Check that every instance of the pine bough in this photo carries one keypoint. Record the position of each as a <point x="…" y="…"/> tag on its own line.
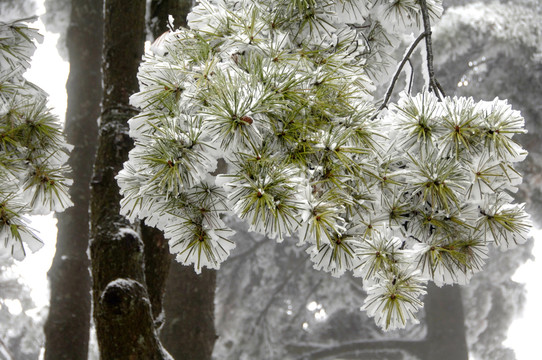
<point x="33" y="150"/>
<point x="283" y="91"/>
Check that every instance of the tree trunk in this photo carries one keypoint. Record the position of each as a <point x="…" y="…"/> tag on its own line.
<point x="69" y="311"/>
<point x="122" y="312"/>
<point x="189" y="330"/>
<point x="161" y="9"/>
<point x="445" y="324"/>
<point x="157" y="264"/>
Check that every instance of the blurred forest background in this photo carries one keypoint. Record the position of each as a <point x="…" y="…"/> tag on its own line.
<point x="271" y="304"/>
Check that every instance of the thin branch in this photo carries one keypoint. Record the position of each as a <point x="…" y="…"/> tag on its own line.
<point x="433" y="83"/>
<point x="249" y="251"/>
<point x="304" y="302"/>
<point x="278" y="289"/>
<point x="391" y="347"/>
<point x="411" y="80"/>
<point x="4" y="350"/>
<point x="399" y="69"/>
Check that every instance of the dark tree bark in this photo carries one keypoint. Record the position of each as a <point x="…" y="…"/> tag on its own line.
<point x="446" y="338"/>
<point x="69" y="311"/>
<point x="157" y="264"/>
<point x="161" y="9"/>
<point x="189" y="330"/>
<point x="122" y="312"/>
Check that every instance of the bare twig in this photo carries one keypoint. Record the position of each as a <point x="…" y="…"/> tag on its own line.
<point x="399" y="69"/>
<point x="278" y="289"/>
<point x="249" y="251"/>
<point x="411" y="80"/>
<point x="4" y="350"/>
<point x="433" y="83"/>
<point x="304" y="302"/>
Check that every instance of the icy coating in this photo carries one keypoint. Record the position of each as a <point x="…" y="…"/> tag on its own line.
<point x="33" y="150"/>
<point x="283" y="92"/>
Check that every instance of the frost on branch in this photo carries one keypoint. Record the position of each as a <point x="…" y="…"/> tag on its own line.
<point x="33" y="150"/>
<point x="283" y="92"/>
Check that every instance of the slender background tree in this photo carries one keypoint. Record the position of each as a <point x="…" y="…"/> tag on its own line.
<point x="69" y="277"/>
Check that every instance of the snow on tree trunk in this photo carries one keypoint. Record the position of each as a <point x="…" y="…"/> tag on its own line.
<point x="122" y="311"/>
<point x="69" y="311"/>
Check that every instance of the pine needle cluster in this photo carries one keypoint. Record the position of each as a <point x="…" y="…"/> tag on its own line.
<point x="33" y="150"/>
<point x="282" y="92"/>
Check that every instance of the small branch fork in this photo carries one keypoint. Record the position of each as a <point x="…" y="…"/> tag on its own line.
<point x="399" y="69"/>
<point x="433" y="83"/>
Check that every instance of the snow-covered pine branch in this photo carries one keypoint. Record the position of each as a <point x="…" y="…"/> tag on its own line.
<point x="284" y="92"/>
<point x="33" y="150"/>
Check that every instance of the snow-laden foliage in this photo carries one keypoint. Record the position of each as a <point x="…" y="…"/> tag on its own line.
<point x="283" y="93"/>
<point x="11" y="10"/>
<point x="499" y="54"/>
<point x="271" y="304"/>
<point x="491" y="26"/>
<point x="33" y="151"/>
